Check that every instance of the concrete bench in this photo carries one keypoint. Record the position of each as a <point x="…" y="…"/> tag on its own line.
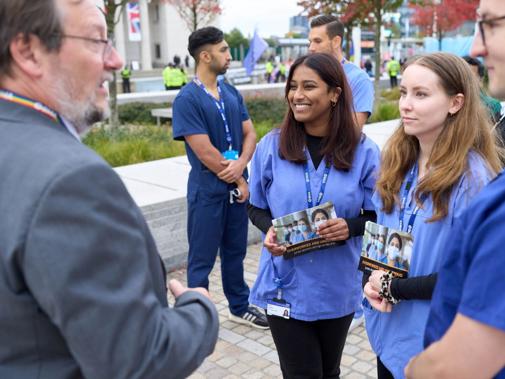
<point x="161" y="113"/>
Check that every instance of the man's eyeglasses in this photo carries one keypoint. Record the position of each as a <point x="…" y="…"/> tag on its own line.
<point x="486" y="26"/>
<point x="104" y="46"/>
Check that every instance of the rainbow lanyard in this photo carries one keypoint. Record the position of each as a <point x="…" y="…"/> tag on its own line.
<point x="39" y="107"/>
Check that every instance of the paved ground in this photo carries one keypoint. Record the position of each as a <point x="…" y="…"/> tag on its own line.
<point x="244" y="352"/>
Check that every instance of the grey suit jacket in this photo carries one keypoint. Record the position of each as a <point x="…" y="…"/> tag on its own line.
<point x="81" y="287"/>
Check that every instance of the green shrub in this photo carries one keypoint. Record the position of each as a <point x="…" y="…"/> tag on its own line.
<point x="139" y="113"/>
<point x="266" y="109"/>
<point x="385" y="111"/>
<point x="133" y="144"/>
<point x="262" y="128"/>
<point x="391" y="94"/>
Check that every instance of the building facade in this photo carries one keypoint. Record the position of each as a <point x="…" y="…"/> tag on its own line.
<point x="150" y="33"/>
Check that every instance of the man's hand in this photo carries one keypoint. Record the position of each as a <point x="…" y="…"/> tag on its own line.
<point x="178" y="289"/>
<point x="270" y="242"/>
<point x="243" y="187"/>
<point x="335" y="229"/>
<point x="233" y="170"/>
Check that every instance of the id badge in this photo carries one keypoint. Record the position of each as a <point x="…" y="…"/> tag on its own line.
<point x="279" y="308"/>
<point x="231" y="155"/>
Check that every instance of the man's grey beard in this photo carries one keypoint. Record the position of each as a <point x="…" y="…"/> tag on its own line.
<point x="82" y="115"/>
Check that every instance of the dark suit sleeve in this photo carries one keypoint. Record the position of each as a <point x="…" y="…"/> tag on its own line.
<point x="91" y="264"/>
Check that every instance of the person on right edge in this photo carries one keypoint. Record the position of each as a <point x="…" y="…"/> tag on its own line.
<point x="465" y="332"/>
<point x="439" y="158"/>
<point x="317" y="155"/>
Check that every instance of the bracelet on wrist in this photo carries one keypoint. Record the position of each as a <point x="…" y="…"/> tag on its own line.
<point x="385" y="293"/>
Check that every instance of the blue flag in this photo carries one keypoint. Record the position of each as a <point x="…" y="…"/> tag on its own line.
<point x="256" y="47"/>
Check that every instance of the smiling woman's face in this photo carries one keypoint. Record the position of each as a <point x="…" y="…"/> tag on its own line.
<point x="309" y="97"/>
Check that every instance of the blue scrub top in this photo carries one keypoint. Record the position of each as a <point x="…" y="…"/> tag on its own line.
<point x="361" y="87"/>
<point x="322" y="284"/>
<point x="398" y="336"/>
<point x="195" y="112"/>
<point x="470" y="281"/>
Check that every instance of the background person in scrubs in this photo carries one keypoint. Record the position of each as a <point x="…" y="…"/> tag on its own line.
<point x="318" y="136"/>
<point x="465" y="333"/>
<point x="212" y="120"/>
<point x="439" y="158"/>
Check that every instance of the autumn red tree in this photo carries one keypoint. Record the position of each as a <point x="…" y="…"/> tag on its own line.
<point x="439" y="17"/>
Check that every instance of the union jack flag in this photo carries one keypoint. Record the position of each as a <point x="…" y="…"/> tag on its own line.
<point x="133" y="13"/>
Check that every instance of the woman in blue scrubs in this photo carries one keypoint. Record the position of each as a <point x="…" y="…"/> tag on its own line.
<point x="439" y="158"/>
<point x="317" y="155"/>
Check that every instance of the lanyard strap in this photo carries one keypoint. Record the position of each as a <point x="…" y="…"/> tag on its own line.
<point x="326" y="174"/>
<point x="39" y="107"/>
<point x="277" y="279"/>
<point x="220" y="108"/>
<point x="403" y="205"/>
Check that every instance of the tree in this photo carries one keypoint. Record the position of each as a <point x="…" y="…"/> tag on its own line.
<point x="196" y="13"/>
<point x="439" y="17"/>
<point x="353" y="12"/>
<point x="237" y="43"/>
<point x="113" y="10"/>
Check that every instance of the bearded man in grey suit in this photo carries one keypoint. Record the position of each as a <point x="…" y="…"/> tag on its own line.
<point x="82" y="290"/>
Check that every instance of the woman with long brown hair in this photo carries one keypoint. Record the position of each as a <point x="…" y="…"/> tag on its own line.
<point x="439" y="158"/>
<point x="317" y="155"/>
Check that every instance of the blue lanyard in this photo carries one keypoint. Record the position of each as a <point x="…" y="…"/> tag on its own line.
<point x="326" y="174"/>
<point x="403" y="205"/>
<point x="220" y="108"/>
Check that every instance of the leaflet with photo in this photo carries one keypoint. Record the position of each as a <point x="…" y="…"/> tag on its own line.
<point x="386" y="249"/>
<point x="297" y="231"/>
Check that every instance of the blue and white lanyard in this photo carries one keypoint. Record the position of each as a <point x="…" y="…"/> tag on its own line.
<point x="403" y="204"/>
<point x="326" y="174"/>
<point x="220" y="108"/>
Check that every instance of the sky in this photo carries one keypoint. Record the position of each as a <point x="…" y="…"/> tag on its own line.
<point x="271" y="17"/>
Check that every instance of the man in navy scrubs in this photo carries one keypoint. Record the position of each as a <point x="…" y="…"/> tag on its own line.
<point x="211" y="117"/>
<point x="465" y="333"/>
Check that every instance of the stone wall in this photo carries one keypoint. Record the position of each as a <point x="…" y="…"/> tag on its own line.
<point x="167" y="221"/>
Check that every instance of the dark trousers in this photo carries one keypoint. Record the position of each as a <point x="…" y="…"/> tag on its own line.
<point x="382" y="371"/>
<point x="393" y="81"/>
<point x="309" y="350"/>
<point x="168" y="88"/>
<point x="218" y="225"/>
<point x="126" y="85"/>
